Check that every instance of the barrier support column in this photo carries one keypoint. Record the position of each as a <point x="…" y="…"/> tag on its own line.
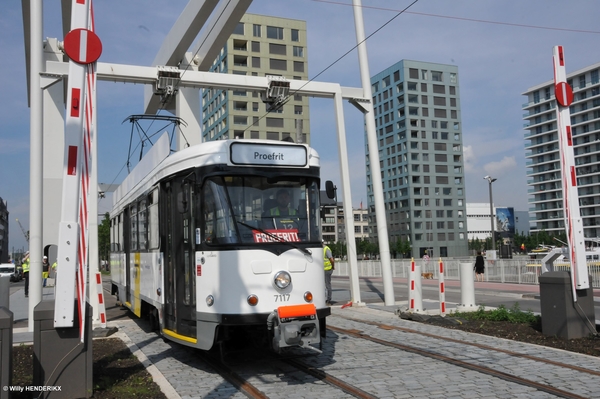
<point x="467" y="288"/>
<point x="415" y="297"/>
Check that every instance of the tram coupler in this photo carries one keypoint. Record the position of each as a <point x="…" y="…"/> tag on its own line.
<point x="295" y="325"/>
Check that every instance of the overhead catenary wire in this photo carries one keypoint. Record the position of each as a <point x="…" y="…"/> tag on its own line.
<point x="466" y="19"/>
<point x="341" y="57"/>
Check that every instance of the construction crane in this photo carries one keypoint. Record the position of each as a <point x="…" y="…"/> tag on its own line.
<point x="25" y="233"/>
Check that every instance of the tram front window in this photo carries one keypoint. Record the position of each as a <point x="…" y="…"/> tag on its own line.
<point x="256" y="210"/>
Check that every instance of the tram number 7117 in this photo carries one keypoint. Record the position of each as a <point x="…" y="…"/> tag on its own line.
<point x="282" y="298"/>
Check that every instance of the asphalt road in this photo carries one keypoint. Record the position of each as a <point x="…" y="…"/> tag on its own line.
<point x="487" y="294"/>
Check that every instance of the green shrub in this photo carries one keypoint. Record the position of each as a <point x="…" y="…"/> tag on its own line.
<point x="512" y="315"/>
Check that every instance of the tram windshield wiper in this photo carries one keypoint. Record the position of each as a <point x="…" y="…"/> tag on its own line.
<point x="276" y="238"/>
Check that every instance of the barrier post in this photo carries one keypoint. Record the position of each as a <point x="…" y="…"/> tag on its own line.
<point x="415" y="298"/>
<point x="467" y="288"/>
<point x="442" y="288"/>
<point x="101" y="306"/>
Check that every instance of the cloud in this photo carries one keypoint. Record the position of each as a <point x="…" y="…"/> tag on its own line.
<point x="469" y="158"/>
<point x="502" y="167"/>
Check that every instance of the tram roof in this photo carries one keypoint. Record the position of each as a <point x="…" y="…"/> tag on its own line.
<point x="160" y="162"/>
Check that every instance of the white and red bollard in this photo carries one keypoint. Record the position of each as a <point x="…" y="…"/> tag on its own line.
<point x="442" y="286"/>
<point x="415" y="297"/>
<point x="101" y="307"/>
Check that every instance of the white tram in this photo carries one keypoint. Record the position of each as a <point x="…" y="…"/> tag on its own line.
<point x="197" y="246"/>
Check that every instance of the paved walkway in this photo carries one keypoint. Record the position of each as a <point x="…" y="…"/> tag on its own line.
<point x="181" y="374"/>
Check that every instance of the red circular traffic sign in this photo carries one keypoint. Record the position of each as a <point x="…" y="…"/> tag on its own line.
<point x="563" y="93"/>
<point x="83" y="46"/>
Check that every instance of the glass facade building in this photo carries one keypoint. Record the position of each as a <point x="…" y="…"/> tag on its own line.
<point x="419" y="134"/>
<point x="543" y="158"/>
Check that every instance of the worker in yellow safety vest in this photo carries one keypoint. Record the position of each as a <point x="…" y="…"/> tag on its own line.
<point x="329" y="266"/>
<point x="25" y="266"/>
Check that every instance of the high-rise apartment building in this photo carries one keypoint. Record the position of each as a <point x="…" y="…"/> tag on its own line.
<point x="259" y="46"/>
<point x="419" y="132"/>
<point x="543" y="158"/>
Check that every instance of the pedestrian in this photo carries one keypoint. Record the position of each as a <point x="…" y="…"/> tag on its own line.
<point x="329" y="267"/>
<point x="425" y="262"/>
<point x="25" y="265"/>
<point x="479" y="266"/>
<point x="45" y="270"/>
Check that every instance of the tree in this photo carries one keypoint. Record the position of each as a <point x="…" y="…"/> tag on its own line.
<point x="104" y="238"/>
<point x="402" y="247"/>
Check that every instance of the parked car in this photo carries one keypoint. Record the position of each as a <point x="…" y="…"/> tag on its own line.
<point x="8" y="269"/>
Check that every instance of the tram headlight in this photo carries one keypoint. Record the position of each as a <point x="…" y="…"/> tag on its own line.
<point x="308" y="296"/>
<point x="282" y="279"/>
<point x="210" y="300"/>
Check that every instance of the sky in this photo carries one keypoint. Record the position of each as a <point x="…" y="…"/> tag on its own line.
<point x="501" y="49"/>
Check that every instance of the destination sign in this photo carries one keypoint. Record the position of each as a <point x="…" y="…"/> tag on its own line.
<point x="276" y="236"/>
<point x="268" y="154"/>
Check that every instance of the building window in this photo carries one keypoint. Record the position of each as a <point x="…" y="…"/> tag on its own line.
<point x="439" y="113"/>
<point x="256" y="30"/>
<point x="274" y="122"/>
<point x="277" y="64"/>
<point x="298" y="51"/>
<point x="256" y="47"/>
<point x="240" y="120"/>
<point x="274" y="32"/>
<point x="298" y="66"/>
<point x="272" y="135"/>
<point x="255" y="62"/>
<point x="239" y="29"/>
<point x="437" y="76"/>
<point x="295" y="35"/>
<point x="439" y="89"/>
<point x="279" y="49"/>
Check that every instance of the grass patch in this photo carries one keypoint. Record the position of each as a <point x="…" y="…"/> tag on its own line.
<point x="502" y="313"/>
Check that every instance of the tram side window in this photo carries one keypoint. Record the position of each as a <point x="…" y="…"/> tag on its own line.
<point x="115" y="237"/>
<point x="142" y="218"/>
<point x="153" y="220"/>
<point x="218" y="226"/>
<point x="133" y="246"/>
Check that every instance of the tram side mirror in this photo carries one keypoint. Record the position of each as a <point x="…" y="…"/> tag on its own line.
<point x="330" y="189"/>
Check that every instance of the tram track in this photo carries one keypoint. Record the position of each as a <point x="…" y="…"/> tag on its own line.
<point x="237" y="379"/>
<point x="475" y="366"/>
<point x="481" y="346"/>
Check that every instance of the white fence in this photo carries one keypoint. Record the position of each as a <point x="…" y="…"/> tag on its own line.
<point x="514" y="271"/>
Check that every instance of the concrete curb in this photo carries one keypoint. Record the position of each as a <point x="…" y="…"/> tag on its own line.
<point x="157" y="376"/>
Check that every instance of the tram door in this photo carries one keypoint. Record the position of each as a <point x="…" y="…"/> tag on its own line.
<point x="127" y="251"/>
<point x="180" y="271"/>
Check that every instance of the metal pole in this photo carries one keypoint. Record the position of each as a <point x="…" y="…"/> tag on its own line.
<point x="36" y="161"/>
<point x="492" y="215"/>
<point x="382" y="231"/>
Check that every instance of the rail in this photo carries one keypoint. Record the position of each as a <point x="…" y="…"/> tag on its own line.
<point x="513" y="271"/>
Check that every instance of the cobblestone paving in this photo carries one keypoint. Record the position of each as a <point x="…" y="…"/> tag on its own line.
<point x="379" y="370"/>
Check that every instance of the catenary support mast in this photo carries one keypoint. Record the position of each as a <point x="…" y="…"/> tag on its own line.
<point x="382" y="232"/>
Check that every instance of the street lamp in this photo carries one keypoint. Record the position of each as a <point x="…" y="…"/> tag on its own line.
<point x="490" y="180"/>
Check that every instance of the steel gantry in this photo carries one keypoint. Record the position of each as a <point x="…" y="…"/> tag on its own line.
<point x="181" y="96"/>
